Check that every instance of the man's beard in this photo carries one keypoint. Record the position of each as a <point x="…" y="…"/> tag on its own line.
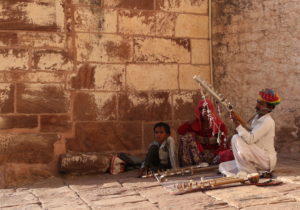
<point x="262" y="111"/>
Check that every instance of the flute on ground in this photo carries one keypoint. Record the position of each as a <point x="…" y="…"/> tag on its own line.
<point x="180" y="171"/>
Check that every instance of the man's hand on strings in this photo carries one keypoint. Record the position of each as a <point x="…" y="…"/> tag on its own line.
<point x="234" y="118"/>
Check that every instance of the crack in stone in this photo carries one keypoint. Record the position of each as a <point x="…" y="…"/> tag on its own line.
<point x="223" y="202"/>
<point x="76" y="193"/>
<point x="216" y="204"/>
<point x="37" y="197"/>
<point x="125" y="195"/>
<point x="138" y="193"/>
<point x="38" y="203"/>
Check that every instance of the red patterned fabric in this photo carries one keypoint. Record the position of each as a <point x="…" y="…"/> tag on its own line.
<point x="226" y="155"/>
<point x="215" y="126"/>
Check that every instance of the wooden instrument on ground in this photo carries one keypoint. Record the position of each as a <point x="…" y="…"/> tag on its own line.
<point x="180" y="171"/>
<point x="221" y="100"/>
<point x="191" y="186"/>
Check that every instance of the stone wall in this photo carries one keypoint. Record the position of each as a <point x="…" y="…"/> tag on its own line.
<point x="256" y="44"/>
<point x="94" y="75"/>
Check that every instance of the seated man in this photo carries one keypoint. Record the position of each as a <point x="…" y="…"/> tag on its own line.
<point x="254" y="150"/>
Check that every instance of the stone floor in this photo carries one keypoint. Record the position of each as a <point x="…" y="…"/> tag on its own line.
<point x="125" y="192"/>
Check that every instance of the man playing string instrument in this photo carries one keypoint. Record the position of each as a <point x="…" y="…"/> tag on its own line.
<point x="254" y="150"/>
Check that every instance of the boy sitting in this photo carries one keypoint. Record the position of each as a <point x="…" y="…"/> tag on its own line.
<point x="161" y="153"/>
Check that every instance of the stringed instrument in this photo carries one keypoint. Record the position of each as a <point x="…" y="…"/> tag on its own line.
<point x="223" y="101"/>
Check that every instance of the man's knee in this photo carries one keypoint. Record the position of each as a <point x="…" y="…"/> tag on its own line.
<point x="239" y="146"/>
<point x="235" y="138"/>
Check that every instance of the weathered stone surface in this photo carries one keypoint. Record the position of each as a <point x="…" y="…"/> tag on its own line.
<point x="114" y="63"/>
<point x="130" y="4"/>
<point x="59" y="197"/>
<point x="148" y="135"/>
<point x="104" y="48"/>
<point x="186" y="73"/>
<point x="186" y="6"/>
<point x="286" y="187"/>
<point x="200" y="52"/>
<point x="105" y="184"/>
<point x="136" y="22"/>
<point x="13" y="59"/>
<point x="112" y="190"/>
<point x="95" y="19"/>
<point x="42" y="98"/>
<point x="128" y="203"/>
<point x="57" y="40"/>
<point x="165" y="23"/>
<point x="254" y="47"/>
<point x="88" y="2"/>
<point x="163" y="77"/>
<point x="32" y="39"/>
<point x="55" y="123"/>
<point x="154" y="106"/>
<point x="133" y="204"/>
<point x="249" y="196"/>
<point x="154" y="50"/>
<point x="97" y="106"/>
<point x="27" y="148"/>
<point x="184" y="104"/>
<point x="27" y="77"/>
<point x="17" y="199"/>
<point x="31" y="15"/>
<point x="277" y="206"/>
<point x="295" y="194"/>
<point x="195" y="26"/>
<point x="7" y="98"/>
<point x="85" y="77"/>
<point x="106" y="137"/>
<point x="8" y="38"/>
<point x="52" y="60"/>
<point x="109" y="77"/>
<point x="36" y="206"/>
<point x="18" y="121"/>
<point x="166" y="200"/>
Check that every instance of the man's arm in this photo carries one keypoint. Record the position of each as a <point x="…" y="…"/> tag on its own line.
<point x="257" y="132"/>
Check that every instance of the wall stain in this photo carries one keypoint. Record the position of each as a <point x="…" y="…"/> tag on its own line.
<point x="14" y="16"/>
<point x="85" y="78"/>
<point x="136" y="4"/>
<point x="9" y="38"/>
<point x="226" y="9"/>
<point x="184" y="43"/>
<point x="121" y="50"/>
<point x="146" y="17"/>
<point x="65" y="56"/>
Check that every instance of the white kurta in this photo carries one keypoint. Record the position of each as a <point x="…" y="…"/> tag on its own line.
<point x="253" y="150"/>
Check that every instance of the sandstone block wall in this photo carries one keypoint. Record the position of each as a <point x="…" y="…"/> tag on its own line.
<point x="94" y="75"/>
<point x="256" y="45"/>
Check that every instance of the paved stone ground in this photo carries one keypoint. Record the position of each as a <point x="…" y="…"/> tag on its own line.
<point x="125" y="192"/>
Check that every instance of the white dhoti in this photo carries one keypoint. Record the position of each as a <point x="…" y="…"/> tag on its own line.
<point x="248" y="158"/>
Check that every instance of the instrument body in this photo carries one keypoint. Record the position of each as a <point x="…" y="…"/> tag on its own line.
<point x="191" y="186"/>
